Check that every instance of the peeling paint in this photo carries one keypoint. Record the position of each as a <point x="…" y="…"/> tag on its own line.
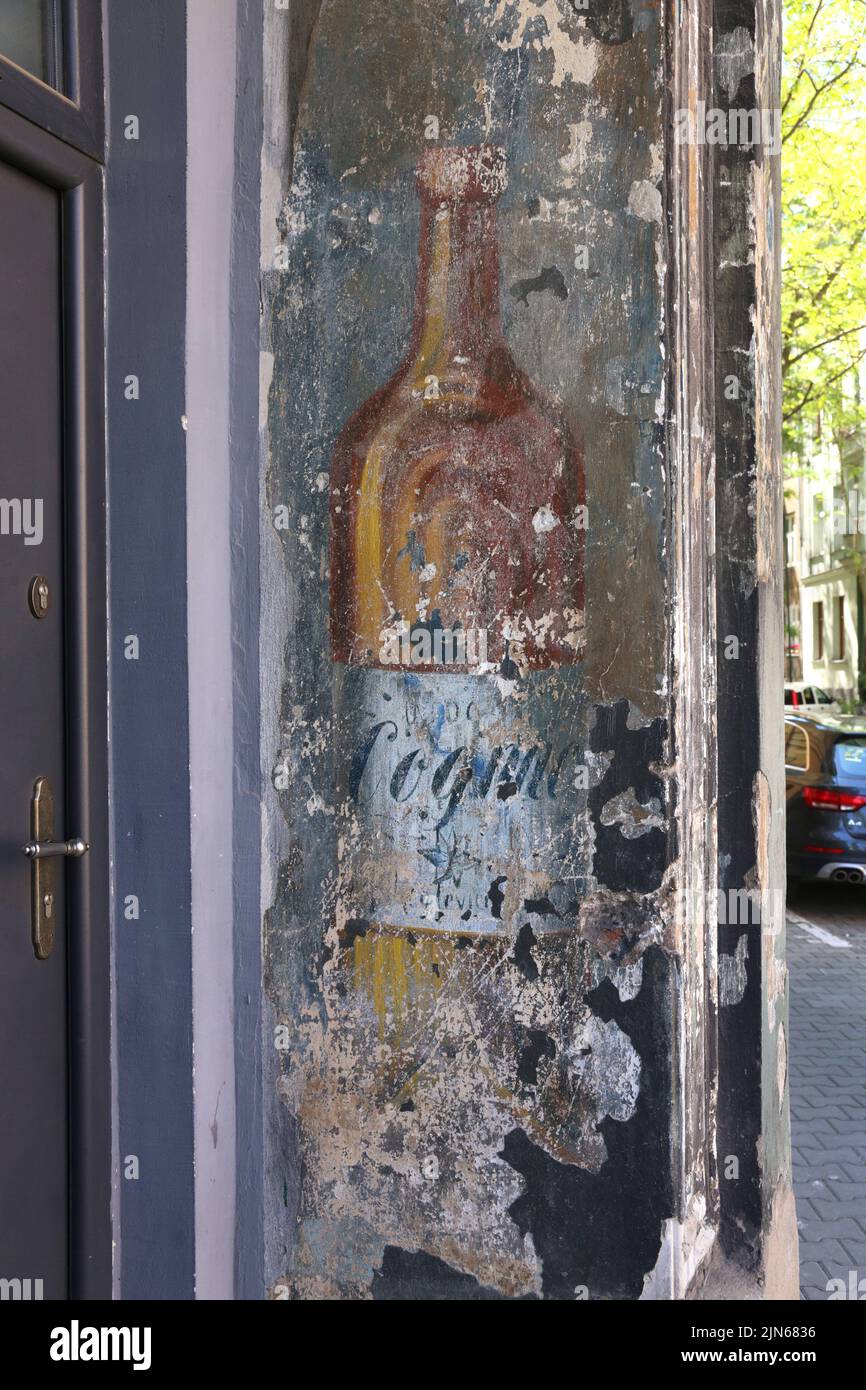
<point x="542" y="24"/>
<point x="633" y="818"/>
<point x="732" y="974"/>
<point x="734" y="59"/>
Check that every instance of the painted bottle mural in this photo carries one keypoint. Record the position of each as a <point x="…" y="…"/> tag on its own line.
<point x="456" y="571"/>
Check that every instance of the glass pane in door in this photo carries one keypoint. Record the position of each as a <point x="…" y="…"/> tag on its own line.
<point x="30" y="37"/>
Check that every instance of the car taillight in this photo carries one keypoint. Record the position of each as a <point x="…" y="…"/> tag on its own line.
<point x="829" y="799"/>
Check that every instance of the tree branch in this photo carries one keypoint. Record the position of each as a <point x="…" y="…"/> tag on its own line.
<point x="801" y="69"/>
<point x="795" y="410"/>
<point x="817" y="92"/>
<point x="806" y="352"/>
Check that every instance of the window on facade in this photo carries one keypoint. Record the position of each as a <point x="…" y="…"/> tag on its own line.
<point x="817" y="632"/>
<point x="839" y="628"/>
<point x="840" y="516"/>
<point x="818" y="524"/>
<point x="796" y="747"/>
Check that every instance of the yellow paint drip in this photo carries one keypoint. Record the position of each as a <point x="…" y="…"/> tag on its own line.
<point x="400" y="977"/>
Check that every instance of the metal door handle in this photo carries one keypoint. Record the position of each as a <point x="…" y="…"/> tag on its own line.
<point x="55" y="849"/>
<point x="42" y="850"/>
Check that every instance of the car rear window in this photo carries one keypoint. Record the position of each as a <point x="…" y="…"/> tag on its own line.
<point x="796" y="747"/>
<point x="849" y="758"/>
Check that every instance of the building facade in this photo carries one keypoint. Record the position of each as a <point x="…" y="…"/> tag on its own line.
<point x="825" y="535"/>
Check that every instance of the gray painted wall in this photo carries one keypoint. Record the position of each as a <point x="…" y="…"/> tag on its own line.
<point x="183" y="311"/>
<point x="149" y="733"/>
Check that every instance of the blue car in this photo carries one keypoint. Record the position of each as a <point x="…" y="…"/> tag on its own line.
<point x="825" y="793"/>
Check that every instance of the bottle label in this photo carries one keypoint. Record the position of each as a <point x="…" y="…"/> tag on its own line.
<point x="462" y="798"/>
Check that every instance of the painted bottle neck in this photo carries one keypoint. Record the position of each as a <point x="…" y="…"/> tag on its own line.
<point x="457" y="320"/>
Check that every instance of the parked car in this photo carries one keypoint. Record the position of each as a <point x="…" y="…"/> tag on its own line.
<point x="825" y="793"/>
<point x="800" y="696"/>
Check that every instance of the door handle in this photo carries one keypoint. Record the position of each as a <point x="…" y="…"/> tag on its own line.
<point x="42" y="850"/>
<point x="55" y="849"/>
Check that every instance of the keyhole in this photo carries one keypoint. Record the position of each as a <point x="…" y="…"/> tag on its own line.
<point x="38" y="596"/>
<point x="48" y="903"/>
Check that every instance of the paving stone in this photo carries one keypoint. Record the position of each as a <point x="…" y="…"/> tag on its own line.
<point x="838" y="1191"/>
<point x="850" y="1127"/>
<point x="833" y="1174"/>
<point x="827" y="1079"/>
<point x="832" y="1254"/>
<point x="834" y="1211"/>
<point x="814" y="1278"/>
<point x="846" y="1229"/>
<point x="830" y="1155"/>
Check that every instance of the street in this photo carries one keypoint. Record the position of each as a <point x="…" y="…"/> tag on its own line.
<point x="827" y="964"/>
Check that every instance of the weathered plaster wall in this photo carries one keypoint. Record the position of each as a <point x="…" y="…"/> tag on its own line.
<point x="453" y="1108"/>
<point x="507" y="1113"/>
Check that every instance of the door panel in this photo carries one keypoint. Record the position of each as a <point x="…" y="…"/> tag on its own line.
<point x="33" y="992"/>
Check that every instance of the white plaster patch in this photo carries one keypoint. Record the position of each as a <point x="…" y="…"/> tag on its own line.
<point x="580" y="135"/>
<point x="635" y="719"/>
<point x="684" y="1247"/>
<point x="597" y="765"/>
<point x="645" y="201"/>
<point x="633" y="817"/>
<point x="544" y="520"/>
<point x="781" y="1065"/>
<point x="610" y="1070"/>
<point x="735" y="59"/>
<point x="627" y="980"/>
<point x="574" y="57"/>
<point x="266" y="373"/>
<point x="614" y="384"/>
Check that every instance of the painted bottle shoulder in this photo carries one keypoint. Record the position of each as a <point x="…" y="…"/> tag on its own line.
<point x="457" y="499"/>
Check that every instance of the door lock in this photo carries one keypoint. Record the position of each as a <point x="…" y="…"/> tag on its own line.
<point x="38" y="596"/>
<point x="42" y="850"/>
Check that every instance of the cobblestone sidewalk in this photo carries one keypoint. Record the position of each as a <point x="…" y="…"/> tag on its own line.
<point x="827" y="965"/>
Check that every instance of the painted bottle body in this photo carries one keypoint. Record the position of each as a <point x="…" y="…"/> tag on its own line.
<point x="457" y="526"/>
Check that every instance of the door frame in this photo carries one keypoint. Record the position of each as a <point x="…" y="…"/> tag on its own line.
<point x="59" y="141"/>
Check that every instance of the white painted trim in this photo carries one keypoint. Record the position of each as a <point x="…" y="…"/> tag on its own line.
<point x="211" y="45"/>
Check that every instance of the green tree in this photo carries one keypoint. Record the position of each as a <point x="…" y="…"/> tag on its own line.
<point x="824" y="222"/>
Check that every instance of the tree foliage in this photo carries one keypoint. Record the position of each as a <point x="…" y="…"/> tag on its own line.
<point x="824" y="220"/>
